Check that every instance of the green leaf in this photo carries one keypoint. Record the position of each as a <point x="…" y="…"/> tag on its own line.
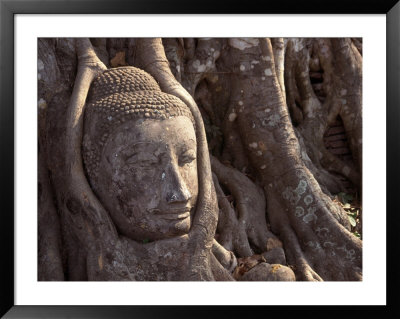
<point x="357" y="234"/>
<point x="354" y="215"/>
<point x="352" y="221"/>
<point x="145" y="241"/>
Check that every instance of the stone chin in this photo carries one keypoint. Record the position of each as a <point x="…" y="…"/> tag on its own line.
<point x="179" y="227"/>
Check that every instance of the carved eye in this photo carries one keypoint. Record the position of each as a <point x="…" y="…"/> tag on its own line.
<point x="148" y="162"/>
<point x="141" y="160"/>
<point x="135" y="168"/>
<point x="186" y="158"/>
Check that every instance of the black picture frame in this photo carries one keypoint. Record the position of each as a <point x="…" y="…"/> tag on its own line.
<point x="8" y="9"/>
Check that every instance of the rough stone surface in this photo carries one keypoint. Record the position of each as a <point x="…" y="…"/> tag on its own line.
<point x="275" y="256"/>
<point x="269" y="272"/>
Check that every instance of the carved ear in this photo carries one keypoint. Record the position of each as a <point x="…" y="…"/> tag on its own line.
<point x="87" y="216"/>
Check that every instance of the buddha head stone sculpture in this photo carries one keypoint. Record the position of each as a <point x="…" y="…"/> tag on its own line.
<point x="139" y="151"/>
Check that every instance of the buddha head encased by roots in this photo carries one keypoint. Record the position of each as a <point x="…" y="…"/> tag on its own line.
<point x="139" y="152"/>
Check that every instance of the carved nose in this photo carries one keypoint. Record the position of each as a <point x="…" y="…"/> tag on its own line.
<point x="178" y="194"/>
<point x="177" y="189"/>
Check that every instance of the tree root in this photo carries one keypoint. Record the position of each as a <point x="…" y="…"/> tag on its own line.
<point x="316" y="116"/>
<point x="232" y="234"/>
<point x="49" y="236"/>
<point x="318" y="240"/>
<point x="238" y="232"/>
<point x="225" y="257"/>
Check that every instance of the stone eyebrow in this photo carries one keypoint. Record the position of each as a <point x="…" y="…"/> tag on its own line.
<point x="189" y="141"/>
<point x="131" y="148"/>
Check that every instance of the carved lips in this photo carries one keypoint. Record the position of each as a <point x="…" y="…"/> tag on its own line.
<point x="173" y="214"/>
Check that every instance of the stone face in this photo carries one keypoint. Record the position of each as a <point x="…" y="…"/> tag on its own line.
<point x="148" y="178"/>
<point x="269" y="272"/>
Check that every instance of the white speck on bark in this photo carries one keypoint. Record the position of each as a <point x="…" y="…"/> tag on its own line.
<point x="42" y="104"/>
<point x="263" y="78"/>
<point x="240" y="102"/>
<point x="267" y="110"/>
<point x="198" y="66"/>
<point x="253" y="145"/>
<point x="232" y="117"/>
<point x="266" y="58"/>
<point x="40" y="65"/>
<point x="343" y="92"/>
<point x="243" y="43"/>
<point x="263" y="167"/>
<point x="268" y="72"/>
<point x="346" y="170"/>
<point x="242" y="67"/>
<point x="313" y="106"/>
<point x="298" y="44"/>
